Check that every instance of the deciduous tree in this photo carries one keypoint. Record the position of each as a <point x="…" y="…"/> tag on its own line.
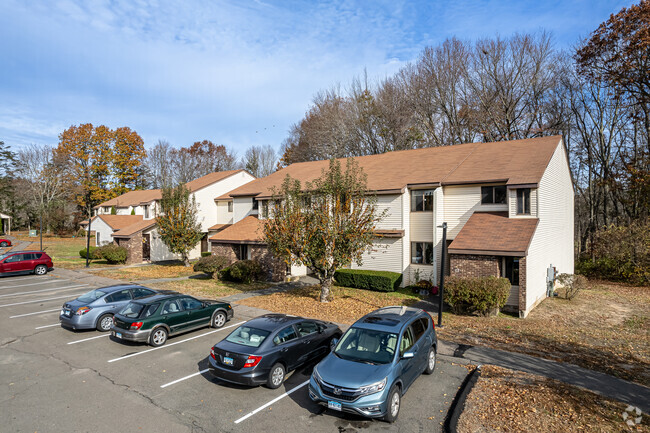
<point x="178" y="221"/>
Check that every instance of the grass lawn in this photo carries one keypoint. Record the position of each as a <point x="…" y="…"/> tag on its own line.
<point x="348" y="304"/>
<point x="208" y="287"/>
<point x="509" y="401"/>
<point x="167" y="270"/>
<point x="605" y="328"/>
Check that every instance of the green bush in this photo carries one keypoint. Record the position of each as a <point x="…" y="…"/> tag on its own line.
<point x="211" y="265"/>
<point x="481" y="295"/>
<point x="206" y="253"/>
<point x="381" y="281"/>
<point x="570" y="285"/>
<point x="95" y="253"/>
<point x="114" y="253"/>
<point x="243" y="271"/>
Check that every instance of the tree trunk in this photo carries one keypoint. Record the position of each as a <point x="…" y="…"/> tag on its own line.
<point x="325" y="286"/>
<point x="186" y="260"/>
<point x="215" y="275"/>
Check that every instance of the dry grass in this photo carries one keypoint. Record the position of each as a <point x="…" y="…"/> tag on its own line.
<point x="605" y="328"/>
<point x="348" y="304"/>
<point x="63" y="250"/>
<point x="149" y="272"/>
<point x="209" y="288"/>
<point x="508" y="401"/>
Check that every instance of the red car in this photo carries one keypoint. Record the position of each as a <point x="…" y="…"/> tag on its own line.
<point x="15" y="262"/>
<point x="5" y="243"/>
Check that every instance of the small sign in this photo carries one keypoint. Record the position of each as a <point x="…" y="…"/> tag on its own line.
<point x="33" y="233"/>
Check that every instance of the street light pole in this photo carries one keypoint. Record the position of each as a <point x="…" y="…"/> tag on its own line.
<point x="442" y="272"/>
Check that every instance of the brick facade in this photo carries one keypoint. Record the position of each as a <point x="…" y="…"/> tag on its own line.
<point x="522" y="286"/>
<point x="274" y="269"/>
<point x="225" y="250"/>
<point x="133" y="247"/>
<point x="463" y="265"/>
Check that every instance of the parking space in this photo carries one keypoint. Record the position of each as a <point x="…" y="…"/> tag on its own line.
<point x="54" y="379"/>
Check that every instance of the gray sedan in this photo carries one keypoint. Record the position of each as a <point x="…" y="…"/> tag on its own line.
<point x="95" y="309"/>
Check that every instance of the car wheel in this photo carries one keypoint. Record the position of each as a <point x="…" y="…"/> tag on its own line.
<point x="431" y="361"/>
<point x="158" y="337"/>
<point x="40" y="270"/>
<point x="3" y="244"/>
<point x="218" y="319"/>
<point x="105" y="322"/>
<point x="394" y="402"/>
<point x="276" y="376"/>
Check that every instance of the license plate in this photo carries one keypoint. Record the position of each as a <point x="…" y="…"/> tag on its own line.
<point x="227" y="360"/>
<point x="65" y="313"/>
<point x="334" y="405"/>
<point x="118" y="334"/>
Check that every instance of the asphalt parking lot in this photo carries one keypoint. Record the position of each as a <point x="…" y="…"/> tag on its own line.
<point x="53" y="379"/>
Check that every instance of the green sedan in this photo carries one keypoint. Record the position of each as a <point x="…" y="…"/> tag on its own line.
<point x="159" y="317"/>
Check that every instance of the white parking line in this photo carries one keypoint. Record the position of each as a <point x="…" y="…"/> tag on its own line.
<point x="48" y="326"/>
<point x="36" y="312"/>
<point x="15" y="279"/>
<point x="88" y="339"/>
<point x="184" y="378"/>
<point x="32" y="284"/>
<point x="62" y="289"/>
<point x="250" y="414"/>
<point x="172" y="344"/>
<point x="37" y="300"/>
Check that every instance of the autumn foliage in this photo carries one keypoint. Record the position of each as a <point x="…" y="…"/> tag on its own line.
<point x="177" y="221"/>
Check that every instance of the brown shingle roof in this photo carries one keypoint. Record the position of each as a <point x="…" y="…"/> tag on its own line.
<point x="209" y="179"/>
<point x="132" y="229"/>
<point x="494" y="233"/>
<point x="118" y="222"/>
<point x="218" y="227"/>
<point x="514" y="162"/>
<point x="248" y="230"/>
<point x="133" y="198"/>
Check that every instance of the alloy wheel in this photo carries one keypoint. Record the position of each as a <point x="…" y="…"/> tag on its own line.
<point x="106" y="323"/>
<point x="277" y="376"/>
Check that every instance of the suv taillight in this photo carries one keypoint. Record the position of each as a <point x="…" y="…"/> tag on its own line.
<point x="136" y="325"/>
<point x="252" y="361"/>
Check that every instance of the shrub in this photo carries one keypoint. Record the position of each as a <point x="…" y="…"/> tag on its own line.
<point x="570" y="285"/>
<point x="381" y="281"/>
<point x="211" y="265"/>
<point x="81" y="233"/>
<point x="95" y="253"/>
<point x="243" y="271"/>
<point x="114" y="253"/>
<point x="481" y="295"/>
<point x="206" y="253"/>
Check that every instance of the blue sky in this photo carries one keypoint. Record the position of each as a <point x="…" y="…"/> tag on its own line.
<point x="239" y="73"/>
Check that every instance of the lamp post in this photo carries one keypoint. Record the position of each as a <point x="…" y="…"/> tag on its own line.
<point x="442" y="272"/>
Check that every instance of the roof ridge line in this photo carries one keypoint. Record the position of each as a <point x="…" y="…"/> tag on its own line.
<point x="477" y="144"/>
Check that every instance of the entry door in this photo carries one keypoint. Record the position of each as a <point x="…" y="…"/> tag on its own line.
<point x="146" y="247"/>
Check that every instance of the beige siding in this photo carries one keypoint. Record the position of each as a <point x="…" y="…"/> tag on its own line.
<point x="242" y="207"/>
<point x="391" y="204"/>
<point x="223" y="216"/>
<point x="207" y="208"/>
<point x="386" y="255"/>
<point x="460" y="202"/>
<point x="406" y="240"/>
<point x="552" y="243"/>
<point x="159" y="252"/>
<point x="103" y="232"/>
<point x="421" y="226"/>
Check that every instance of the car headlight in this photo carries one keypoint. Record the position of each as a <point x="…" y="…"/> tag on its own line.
<point x="375" y="387"/>
<point x="317" y="377"/>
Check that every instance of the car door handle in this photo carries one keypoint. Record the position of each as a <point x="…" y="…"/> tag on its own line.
<point x="306" y="341"/>
<point x="284" y="349"/>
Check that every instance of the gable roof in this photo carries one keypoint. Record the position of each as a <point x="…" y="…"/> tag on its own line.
<point x="209" y="179"/>
<point x="118" y="222"/>
<point x="494" y="233"/>
<point x="514" y="162"/>
<point x="248" y="230"/>
<point x="134" y="228"/>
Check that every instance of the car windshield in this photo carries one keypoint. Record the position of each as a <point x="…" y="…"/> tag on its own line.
<point x="2" y="256"/>
<point x="132" y="310"/>
<point x="247" y="336"/>
<point x="91" y="296"/>
<point x="367" y="346"/>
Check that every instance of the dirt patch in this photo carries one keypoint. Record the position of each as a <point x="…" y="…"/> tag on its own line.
<point x="508" y="401"/>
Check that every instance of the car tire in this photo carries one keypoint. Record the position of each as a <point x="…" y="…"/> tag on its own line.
<point x="158" y="337"/>
<point x="218" y="319"/>
<point x="104" y="322"/>
<point x="40" y="270"/>
<point x="4" y="244"/>
<point x="276" y="376"/>
<point x="431" y="361"/>
<point x="394" y="402"/>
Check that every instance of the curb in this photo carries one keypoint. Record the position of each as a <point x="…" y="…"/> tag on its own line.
<point x="457" y="406"/>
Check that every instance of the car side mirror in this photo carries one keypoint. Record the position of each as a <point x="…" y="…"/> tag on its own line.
<point x="333" y="343"/>
<point x="320" y="329"/>
<point x="408" y="355"/>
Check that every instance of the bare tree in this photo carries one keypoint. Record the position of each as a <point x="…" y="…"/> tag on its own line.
<point x="159" y="165"/>
<point x="260" y="161"/>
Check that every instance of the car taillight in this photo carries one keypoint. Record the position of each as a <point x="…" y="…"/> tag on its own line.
<point x="82" y="310"/>
<point x="252" y="361"/>
<point x="212" y="354"/>
<point x="433" y="322"/>
<point x="136" y="325"/>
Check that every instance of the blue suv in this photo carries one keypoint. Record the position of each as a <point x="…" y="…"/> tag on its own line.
<point x="375" y="362"/>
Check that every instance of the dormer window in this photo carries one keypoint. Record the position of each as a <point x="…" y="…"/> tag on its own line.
<point x="264" y="211"/>
<point x="107" y="209"/>
<point x="422" y="200"/>
<point x="256" y="204"/>
<point x="146" y="211"/>
<point x="230" y="206"/>
<point x="493" y="194"/>
<point x="523" y="201"/>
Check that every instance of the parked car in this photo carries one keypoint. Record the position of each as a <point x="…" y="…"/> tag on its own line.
<point x="264" y="349"/>
<point x="166" y="314"/>
<point x="95" y="309"/>
<point x="5" y="243"/>
<point x="25" y="262"/>
<point x="375" y="363"/>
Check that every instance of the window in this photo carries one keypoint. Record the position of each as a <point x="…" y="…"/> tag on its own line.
<point x="422" y="253"/>
<point x="190" y="304"/>
<point x="107" y="209"/>
<point x="170" y="307"/>
<point x="122" y="295"/>
<point x="15" y="258"/>
<point x="407" y="341"/>
<point x="256" y="204"/>
<point x="151" y="309"/>
<point x="229" y="206"/>
<point x="243" y="252"/>
<point x="99" y="238"/>
<point x="419" y="326"/>
<point x="523" y="201"/>
<point x="146" y="211"/>
<point x="264" y="212"/>
<point x="493" y="194"/>
<point x="511" y="270"/>
<point x="306" y="328"/>
<point x="422" y="201"/>
<point x="140" y="292"/>
<point x="247" y="336"/>
<point x="287" y="334"/>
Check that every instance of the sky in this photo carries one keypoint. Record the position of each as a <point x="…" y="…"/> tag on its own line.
<point x="238" y="73"/>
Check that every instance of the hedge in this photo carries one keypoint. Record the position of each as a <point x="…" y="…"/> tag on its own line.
<point x="243" y="271"/>
<point x="381" y="281"/>
<point x="113" y="253"/>
<point x="95" y="253"/>
<point x="211" y="265"/>
<point x="476" y="295"/>
<point x="206" y="253"/>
